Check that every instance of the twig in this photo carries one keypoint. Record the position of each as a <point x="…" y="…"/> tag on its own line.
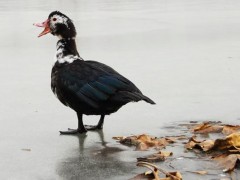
<point x="153" y="168"/>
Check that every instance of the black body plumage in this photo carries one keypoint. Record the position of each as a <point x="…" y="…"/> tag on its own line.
<point x="88" y="87"/>
<point x="93" y="88"/>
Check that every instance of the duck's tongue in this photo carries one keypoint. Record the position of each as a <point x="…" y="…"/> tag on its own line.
<point x="44" y="24"/>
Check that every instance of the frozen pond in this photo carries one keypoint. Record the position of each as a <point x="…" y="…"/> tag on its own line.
<point x="185" y="55"/>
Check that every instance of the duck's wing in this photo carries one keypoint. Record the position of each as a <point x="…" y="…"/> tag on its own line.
<point x="95" y="83"/>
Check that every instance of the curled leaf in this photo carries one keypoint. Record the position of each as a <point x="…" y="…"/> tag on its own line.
<point x="153" y="174"/>
<point x="177" y="175"/>
<point x="156" y="171"/>
<point x="204" y="145"/>
<point x="160" y="156"/>
<point x="207" y="145"/>
<point x="228" y="162"/>
<point x="230" y="142"/>
<point x="207" y="127"/>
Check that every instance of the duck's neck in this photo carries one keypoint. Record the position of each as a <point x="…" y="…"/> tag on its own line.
<point x="67" y="51"/>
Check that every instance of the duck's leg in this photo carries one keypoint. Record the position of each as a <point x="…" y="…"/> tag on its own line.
<point x="98" y="126"/>
<point x="80" y="129"/>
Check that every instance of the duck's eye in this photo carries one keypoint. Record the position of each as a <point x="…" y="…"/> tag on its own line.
<point x="54" y="19"/>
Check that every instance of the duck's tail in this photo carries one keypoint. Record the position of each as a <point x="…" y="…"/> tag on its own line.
<point x="147" y="99"/>
<point x="138" y="96"/>
<point x="126" y="97"/>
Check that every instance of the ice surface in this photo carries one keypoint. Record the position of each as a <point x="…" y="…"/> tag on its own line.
<point x="182" y="54"/>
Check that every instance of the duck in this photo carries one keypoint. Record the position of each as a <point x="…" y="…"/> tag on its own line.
<point x="86" y="86"/>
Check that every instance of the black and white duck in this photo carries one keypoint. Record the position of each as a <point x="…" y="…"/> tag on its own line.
<point x="88" y="87"/>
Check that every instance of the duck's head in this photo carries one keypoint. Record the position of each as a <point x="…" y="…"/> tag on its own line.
<point x="58" y="24"/>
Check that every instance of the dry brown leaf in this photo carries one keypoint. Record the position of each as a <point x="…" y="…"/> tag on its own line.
<point x="230" y="142"/>
<point x="235" y="150"/>
<point x="150" y="176"/>
<point x="143" y="141"/>
<point x="160" y="156"/>
<point x="194" y="139"/>
<point x="207" y="145"/>
<point x="192" y="142"/>
<point x="229" y="129"/>
<point x="215" y="127"/>
<point x="144" y="176"/>
<point x="199" y="172"/>
<point x="175" y="138"/>
<point x="119" y="138"/>
<point x="228" y="162"/>
<point x="176" y="176"/>
<point x="130" y="140"/>
<point x="207" y="127"/>
<point x="141" y="146"/>
<point x="190" y="145"/>
<point x="166" y="153"/>
<point x="155" y="171"/>
<point x="204" y="145"/>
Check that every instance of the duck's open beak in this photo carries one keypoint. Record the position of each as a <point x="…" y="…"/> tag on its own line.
<point x="44" y="24"/>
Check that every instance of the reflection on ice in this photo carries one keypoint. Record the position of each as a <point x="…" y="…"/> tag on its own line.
<point x="99" y="161"/>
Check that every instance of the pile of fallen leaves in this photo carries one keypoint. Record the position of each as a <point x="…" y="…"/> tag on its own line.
<point x="215" y="127"/>
<point x="143" y="142"/>
<point x="225" y="151"/>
